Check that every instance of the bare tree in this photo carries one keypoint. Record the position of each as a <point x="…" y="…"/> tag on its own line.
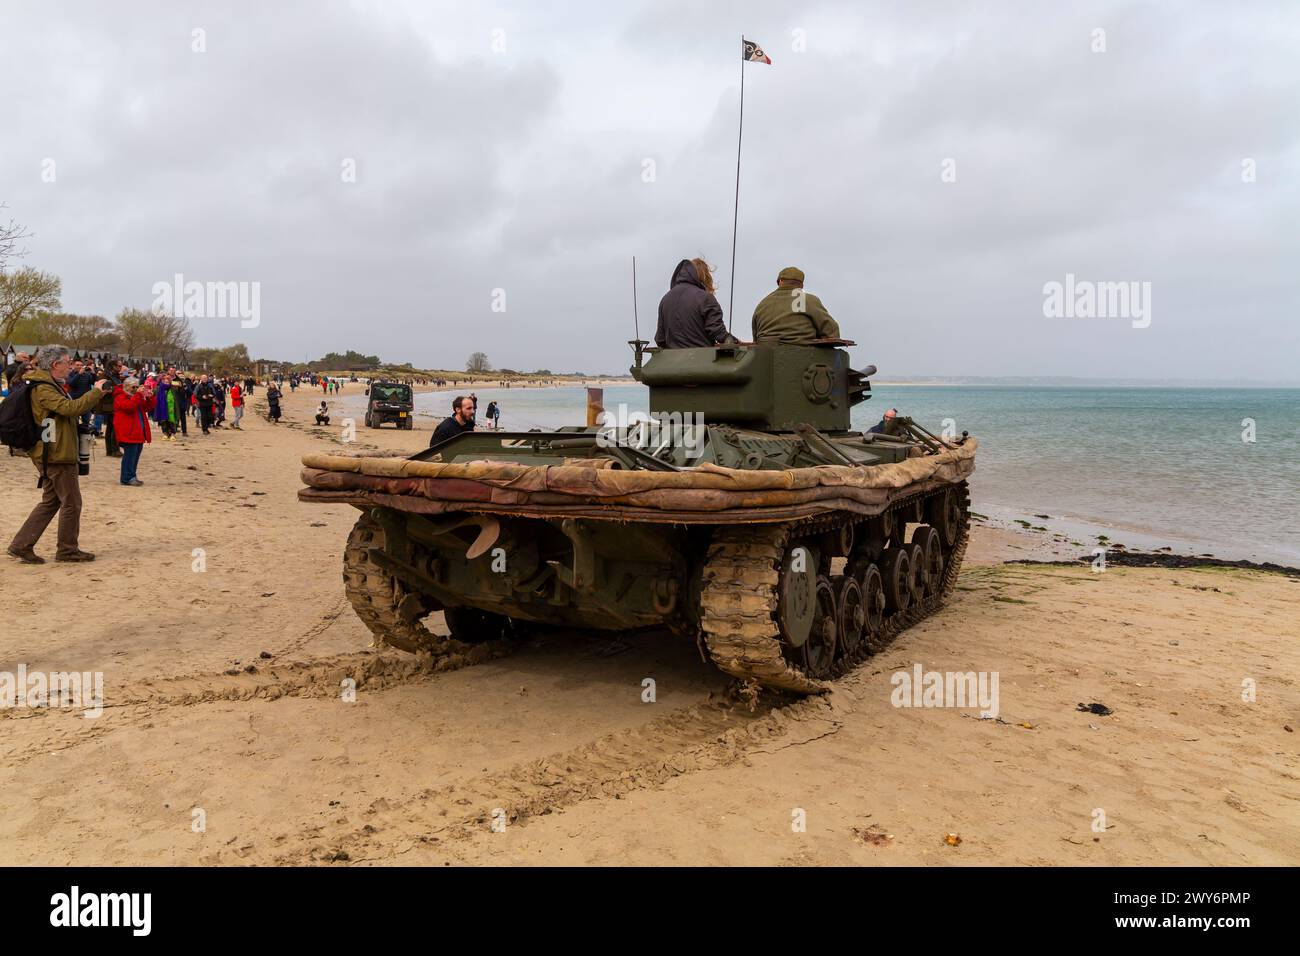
<point x="478" y="362"/>
<point x="11" y="234"/>
<point x="149" y="335"/>
<point x="24" y="293"/>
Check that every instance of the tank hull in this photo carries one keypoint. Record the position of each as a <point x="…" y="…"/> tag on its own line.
<point x="610" y="563"/>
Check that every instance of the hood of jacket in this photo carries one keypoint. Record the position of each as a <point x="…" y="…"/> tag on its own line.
<point x="685" y="272"/>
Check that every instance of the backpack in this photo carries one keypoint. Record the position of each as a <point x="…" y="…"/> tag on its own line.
<point x="18" y="429"/>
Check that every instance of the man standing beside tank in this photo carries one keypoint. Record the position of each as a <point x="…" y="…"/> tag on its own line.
<point x="689" y="315"/>
<point x="460" y="420"/>
<point x="790" y="315"/>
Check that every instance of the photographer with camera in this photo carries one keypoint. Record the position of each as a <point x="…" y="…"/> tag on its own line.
<point x="54" y="451"/>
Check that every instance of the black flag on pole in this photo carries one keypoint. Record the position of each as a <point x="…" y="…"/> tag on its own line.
<point x="753" y="53"/>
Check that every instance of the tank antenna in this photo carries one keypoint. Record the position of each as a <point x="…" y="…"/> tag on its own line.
<point x="636" y="323"/>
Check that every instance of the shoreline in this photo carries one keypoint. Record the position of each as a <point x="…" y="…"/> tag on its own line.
<point x="1054" y="537"/>
<point x="1151" y="559"/>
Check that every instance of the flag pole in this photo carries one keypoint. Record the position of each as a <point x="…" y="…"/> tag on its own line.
<point x="735" y="215"/>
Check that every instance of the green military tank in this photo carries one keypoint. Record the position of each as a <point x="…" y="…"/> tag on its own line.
<point x="743" y="513"/>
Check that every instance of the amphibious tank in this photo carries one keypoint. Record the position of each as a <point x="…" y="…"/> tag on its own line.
<point x="742" y="512"/>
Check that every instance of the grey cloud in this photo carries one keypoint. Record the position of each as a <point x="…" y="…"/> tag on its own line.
<point x="523" y="171"/>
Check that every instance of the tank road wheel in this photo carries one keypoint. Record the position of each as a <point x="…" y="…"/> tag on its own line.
<point x="946" y="512"/>
<point x="852" y="616"/>
<point x="931" y="558"/>
<point x="473" y="626"/>
<point x="817" y="655"/>
<point x="916" y="558"/>
<point x="796" y="606"/>
<point x="873" y="601"/>
<point x="896" y="571"/>
<point x="391" y="611"/>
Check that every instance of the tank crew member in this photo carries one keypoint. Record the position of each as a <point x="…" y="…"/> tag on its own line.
<point x="789" y="314"/>
<point x="461" y="420"/>
<point x="887" y="425"/>
<point x="689" y="315"/>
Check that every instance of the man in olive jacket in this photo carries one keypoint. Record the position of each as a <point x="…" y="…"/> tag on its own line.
<point x="55" y="457"/>
<point x="790" y="315"/>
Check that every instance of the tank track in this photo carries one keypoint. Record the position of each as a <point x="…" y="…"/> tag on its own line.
<point x="391" y="613"/>
<point x="739" y="598"/>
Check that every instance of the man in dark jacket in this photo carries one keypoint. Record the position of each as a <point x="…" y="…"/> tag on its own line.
<point x="889" y="425"/>
<point x="218" y="402"/>
<point x="79" y="383"/>
<point x="114" y="373"/>
<point x="205" y="394"/>
<point x="460" y="420"/>
<point x="689" y="315"/>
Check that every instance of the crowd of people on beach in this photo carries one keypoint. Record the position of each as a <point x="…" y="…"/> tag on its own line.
<point x="55" y="407"/>
<point x="328" y="384"/>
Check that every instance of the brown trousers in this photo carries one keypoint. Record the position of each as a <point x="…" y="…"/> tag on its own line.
<point x="62" y="496"/>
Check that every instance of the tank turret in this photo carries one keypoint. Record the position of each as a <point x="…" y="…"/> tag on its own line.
<point x="764" y="387"/>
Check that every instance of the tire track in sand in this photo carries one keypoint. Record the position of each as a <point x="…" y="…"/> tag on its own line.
<point x="147" y="699"/>
<point x="704" y="736"/>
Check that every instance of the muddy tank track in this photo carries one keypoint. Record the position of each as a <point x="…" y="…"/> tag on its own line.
<point x="393" y="613"/>
<point x="739" y="598"/>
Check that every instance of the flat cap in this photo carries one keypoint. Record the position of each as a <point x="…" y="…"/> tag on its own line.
<point x="790" y="272"/>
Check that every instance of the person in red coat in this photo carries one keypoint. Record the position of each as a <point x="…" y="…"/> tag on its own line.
<point x="237" y="402"/>
<point x="131" y="405"/>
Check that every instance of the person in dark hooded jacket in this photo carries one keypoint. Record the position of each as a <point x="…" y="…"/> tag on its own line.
<point x="689" y="315"/>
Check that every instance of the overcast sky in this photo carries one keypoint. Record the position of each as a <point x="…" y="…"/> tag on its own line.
<point x="524" y="170"/>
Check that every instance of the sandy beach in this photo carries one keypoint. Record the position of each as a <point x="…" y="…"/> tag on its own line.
<point x="223" y="707"/>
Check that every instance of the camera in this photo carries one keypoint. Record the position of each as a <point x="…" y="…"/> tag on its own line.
<point x="84" y="440"/>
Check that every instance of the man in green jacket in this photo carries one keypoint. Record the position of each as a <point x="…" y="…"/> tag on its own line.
<point x="55" y="457"/>
<point x="792" y="316"/>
